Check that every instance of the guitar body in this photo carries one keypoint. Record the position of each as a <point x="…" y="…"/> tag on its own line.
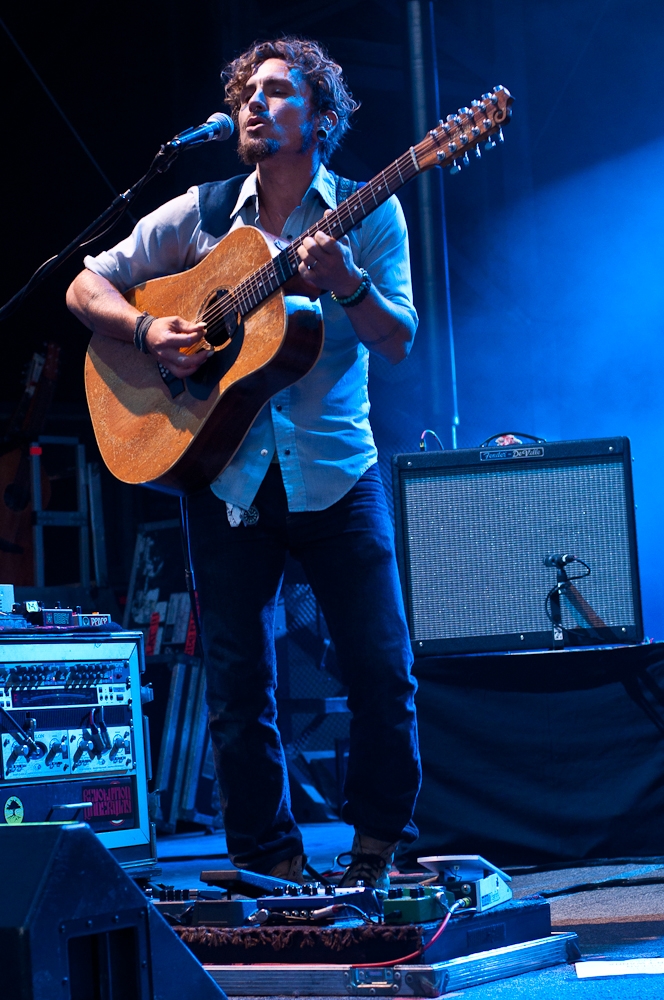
<point x="16" y="535"/>
<point x="151" y="433"/>
<point x="180" y="443"/>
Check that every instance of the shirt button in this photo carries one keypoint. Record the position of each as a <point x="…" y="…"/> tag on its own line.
<point x="278" y="409"/>
<point x="263" y="452"/>
<point x="287" y="451"/>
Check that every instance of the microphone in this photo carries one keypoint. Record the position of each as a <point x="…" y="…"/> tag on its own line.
<point x="558" y="560"/>
<point x="218" y="126"/>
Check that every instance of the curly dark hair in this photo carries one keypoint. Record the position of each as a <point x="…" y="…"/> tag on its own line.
<point x="324" y="76"/>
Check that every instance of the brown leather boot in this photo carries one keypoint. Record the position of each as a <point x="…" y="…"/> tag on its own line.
<point x="370" y="862"/>
<point x="290" y="869"/>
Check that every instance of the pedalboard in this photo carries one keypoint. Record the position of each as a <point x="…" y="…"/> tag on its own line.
<point x="294" y="904"/>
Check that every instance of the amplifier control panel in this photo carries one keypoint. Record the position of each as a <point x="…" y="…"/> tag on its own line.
<point x="61" y="719"/>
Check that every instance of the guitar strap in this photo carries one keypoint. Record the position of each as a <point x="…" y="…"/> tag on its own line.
<point x="217" y="199"/>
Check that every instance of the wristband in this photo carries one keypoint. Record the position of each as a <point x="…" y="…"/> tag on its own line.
<point x="358" y="295"/>
<point x="143" y="324"/>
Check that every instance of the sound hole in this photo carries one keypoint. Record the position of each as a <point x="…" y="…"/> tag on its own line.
<point x="219" y="314"/>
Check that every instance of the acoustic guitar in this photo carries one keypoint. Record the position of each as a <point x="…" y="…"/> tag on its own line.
<point x="177" y="436"/>
<point x="27" y="423"/>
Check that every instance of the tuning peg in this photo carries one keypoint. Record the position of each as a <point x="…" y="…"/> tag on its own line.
<point x="478" y="152"/>
<point x="499" y="136"/>
<point x="475" y="104"/>
<point x="490" y="143"/>
<point x="455" y="168"/>
<point x="487" y="97"/>
<point x="466" y="161"/>
<point x="464" y="111"/>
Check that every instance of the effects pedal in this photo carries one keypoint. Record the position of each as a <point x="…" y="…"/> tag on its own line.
<point x="469" y="875"/>
<point x="316" y="903"/>
<point x="416" y="904"/>
<point x="35" y="613"/>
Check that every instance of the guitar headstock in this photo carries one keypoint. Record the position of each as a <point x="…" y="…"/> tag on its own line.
<point x="52" y="361"/>
<point x="452" y="139"/>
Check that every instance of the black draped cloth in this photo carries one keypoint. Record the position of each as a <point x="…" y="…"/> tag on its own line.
<point x="542" y="757"/>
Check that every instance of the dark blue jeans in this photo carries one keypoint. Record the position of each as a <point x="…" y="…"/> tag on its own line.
<point x="347" y="553"/>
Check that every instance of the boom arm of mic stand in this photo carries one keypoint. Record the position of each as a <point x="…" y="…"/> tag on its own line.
<point x="112" y="215"/>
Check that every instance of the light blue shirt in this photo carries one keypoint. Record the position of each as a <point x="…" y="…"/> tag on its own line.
<point x="319" y="427"/>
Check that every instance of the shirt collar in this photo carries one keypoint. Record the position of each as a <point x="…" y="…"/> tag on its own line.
<point x="247" y="191"/>
<point x="322" y="183"/>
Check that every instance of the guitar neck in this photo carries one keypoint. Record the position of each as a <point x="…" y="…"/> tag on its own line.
<point x="449" y="142"/>
<point x="268" y="278"/>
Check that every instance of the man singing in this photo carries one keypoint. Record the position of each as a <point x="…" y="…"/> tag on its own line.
<point x="305" y="479"/>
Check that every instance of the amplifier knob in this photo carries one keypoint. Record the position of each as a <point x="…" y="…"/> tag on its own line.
<point x="84" y="746"/>
<point x="120" y="745"/>
<point x="19" y="750"/>
<point x="57" y="748"/>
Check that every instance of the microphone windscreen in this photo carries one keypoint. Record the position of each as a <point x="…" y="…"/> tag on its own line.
<point x="226" y="126"/>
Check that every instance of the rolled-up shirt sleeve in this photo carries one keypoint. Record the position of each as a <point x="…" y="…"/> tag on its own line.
<point x="163" y="242"/>
<point x="383" y="250"/>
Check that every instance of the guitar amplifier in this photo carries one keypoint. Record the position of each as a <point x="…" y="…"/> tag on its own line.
<point x="474" y="526"/>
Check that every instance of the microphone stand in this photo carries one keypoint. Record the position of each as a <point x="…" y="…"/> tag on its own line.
<point x="105" y="222"/>
<point x="566" y="588"/>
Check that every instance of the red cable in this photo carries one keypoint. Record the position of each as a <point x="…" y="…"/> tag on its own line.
<point x="413" y="954"/>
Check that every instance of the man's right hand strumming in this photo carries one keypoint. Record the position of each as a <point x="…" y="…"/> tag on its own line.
<point x="103" y="309"/>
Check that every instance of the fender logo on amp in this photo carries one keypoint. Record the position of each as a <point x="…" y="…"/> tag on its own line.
<point x="501" y="454"/>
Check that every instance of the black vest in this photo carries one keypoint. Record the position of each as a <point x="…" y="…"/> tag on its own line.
<point x="217" y="199"/>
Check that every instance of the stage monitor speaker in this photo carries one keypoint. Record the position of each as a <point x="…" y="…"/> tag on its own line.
<point x="73" y="925"/>
<point x="474" y="526"/>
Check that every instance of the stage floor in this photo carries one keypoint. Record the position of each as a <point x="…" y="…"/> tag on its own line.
<point x="612" y="923"/>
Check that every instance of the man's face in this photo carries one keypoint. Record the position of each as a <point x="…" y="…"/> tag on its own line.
<point x="276" y="114"/>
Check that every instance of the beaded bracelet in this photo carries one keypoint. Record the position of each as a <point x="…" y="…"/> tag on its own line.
<point x="358" y="295"/>
<point x="143" y="324"/>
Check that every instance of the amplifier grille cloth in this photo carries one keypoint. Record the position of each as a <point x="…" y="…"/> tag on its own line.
<point x="476" y="541"/>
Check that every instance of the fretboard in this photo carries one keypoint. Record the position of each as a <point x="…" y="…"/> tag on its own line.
<point x="255" y="288"/>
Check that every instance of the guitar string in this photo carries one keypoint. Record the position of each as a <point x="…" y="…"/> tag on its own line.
<point x="254" y="285"/>
<point x="265" y="280"/>
<point x="251" y="291"/>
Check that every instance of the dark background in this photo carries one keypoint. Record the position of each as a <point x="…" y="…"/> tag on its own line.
<point x="555" y="239"/>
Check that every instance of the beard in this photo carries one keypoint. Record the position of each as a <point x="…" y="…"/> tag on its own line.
<point x="254" y="150"/>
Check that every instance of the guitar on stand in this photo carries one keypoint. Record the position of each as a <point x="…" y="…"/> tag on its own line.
<point x="26" y="424"/>
<point x="178" y="435"/>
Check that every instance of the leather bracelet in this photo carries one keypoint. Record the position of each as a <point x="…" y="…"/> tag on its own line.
<point x="358" y="295"/>
<point x="143" y="324"/>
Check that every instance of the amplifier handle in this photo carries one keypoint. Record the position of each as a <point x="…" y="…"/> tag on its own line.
<point x="523" y="434"/>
